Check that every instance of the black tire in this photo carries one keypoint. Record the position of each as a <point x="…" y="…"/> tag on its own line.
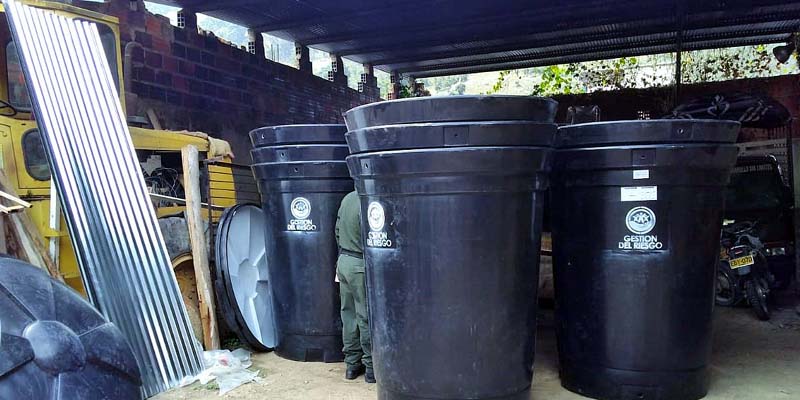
<point x="757" y="297"/>
<point x="727" y="292"/>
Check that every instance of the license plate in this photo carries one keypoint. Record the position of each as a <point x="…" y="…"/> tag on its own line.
<point x="742" y="262"/>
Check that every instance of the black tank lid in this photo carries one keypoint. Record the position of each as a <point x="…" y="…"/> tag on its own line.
<point x="300" y="152"/>
<point x="301" y="169"/>
<point x="297" y="134"/>
<point x="659" y="131"/>
<point x="452" y="109"/>
<point x="452" y="134"/>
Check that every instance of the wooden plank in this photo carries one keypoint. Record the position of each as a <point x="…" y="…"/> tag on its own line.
<point x="15" y="199"/>
<point x="30" y="239"/>
<point x="151" y="115"/>
<point x="202" y="272"/>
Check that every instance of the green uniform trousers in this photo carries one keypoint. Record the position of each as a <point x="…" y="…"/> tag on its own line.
<point x="355" y="314"/>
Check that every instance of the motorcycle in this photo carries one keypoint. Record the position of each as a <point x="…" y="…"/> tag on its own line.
<point x="743" y="273"/>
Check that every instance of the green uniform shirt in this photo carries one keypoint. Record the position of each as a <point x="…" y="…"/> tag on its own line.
<point x="348" y="224"/>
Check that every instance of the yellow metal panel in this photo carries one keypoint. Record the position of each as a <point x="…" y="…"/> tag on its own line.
<point x="28" y="186"/>
<point x="244" y="187"/>
<point x="220" y="169"/>
<point x="12" y="160"/>
<point x="150" y="139"/>
<point x="68" y="263"/>
<point x="75" y="12"/>
<point x="217" y="194"/>
<point x="223" y="176"/>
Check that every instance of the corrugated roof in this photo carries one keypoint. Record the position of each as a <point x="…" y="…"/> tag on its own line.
<point x="441" y="37"/>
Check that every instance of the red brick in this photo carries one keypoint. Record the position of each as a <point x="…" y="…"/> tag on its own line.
<point x="186" y="67"/>
<point x="160" y="45"/>
<point x="239" y="93"/>
<point x="153" y="25"/>
<point x="170" y="64"/>
<point x="152" y="59"/>
<point x="135" y="19"/>
<point x="179" y="83"/>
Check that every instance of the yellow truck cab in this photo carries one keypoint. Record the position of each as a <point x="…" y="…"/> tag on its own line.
<point x="23" y="159"/>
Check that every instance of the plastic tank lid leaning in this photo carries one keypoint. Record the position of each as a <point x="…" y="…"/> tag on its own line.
<point x="642" y="132"/>
<point x="452" y="109"/>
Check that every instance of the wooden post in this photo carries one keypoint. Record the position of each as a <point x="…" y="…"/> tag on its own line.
<point x="55" y="225"/>
<point x="3" y="248"/>
<point x="202" y="272"/>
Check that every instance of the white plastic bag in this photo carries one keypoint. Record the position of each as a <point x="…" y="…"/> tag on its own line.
<point x="229" y="368"/>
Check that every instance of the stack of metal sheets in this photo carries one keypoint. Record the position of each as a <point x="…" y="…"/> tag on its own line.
<point x="124" y="262"/>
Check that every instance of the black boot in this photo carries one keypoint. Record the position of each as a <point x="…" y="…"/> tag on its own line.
<point x="353" y="372"/>
<point x="369" y="376"/>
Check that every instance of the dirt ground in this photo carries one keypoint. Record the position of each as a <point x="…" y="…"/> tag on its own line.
<point x="751" y="360"/>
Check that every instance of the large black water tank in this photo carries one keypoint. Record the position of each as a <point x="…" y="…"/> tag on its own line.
<point x="451" y="192"/>
<point x="55" y="345"/>
<point x="636" y="215"/>
<point x="302" y="178"/>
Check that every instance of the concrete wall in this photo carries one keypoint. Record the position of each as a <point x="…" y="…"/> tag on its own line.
<point x="625" y="104"/>
<point x="196" y="82"/>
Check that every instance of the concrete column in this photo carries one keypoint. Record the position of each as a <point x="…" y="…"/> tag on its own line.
<point x="255" y="43"/>
<point x="336" y="74"/>
<point x="303" y="58"/>
<point x="395" y="89"/>
<point x="187" y="19"/>
<point x="369" y="83"/>
<point x="134" y="5"/>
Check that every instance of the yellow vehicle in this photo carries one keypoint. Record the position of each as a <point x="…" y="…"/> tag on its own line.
<point x="23" y="159"/>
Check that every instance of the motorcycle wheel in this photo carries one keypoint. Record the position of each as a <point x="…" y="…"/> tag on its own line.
<point x="727" y="292"/>
<point x="757" y="296"/>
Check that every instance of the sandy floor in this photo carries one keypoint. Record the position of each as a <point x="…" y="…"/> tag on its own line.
<point x="751" y="360"/>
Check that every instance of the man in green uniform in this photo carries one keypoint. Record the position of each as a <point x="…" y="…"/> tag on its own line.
<point x="353" y="291"/>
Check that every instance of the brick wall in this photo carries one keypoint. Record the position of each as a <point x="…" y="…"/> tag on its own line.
<point x="197" y="82"/>
<point x="625" y="104"/>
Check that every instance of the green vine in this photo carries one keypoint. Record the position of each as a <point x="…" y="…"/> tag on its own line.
<point x="648" y="71"/>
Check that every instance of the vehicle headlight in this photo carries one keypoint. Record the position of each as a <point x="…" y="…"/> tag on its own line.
<point x="776" y="251"/>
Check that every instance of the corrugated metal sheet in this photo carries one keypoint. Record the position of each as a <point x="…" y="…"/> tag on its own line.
<point x="112" y="224"/>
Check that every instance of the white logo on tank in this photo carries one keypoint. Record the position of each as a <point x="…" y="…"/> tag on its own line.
<point x="376" y="216"/>
<point x="300" y="207"/>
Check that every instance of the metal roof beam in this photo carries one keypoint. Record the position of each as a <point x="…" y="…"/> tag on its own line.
<point x="487" y="65"/>
<point x="209" y="6"/>
<point x="336" y="19"/>
<point x="555" y="52"/>
<point x="544" y="39"/>
<point x="533" y="16"/>
<point x="578" y="36"/>
<point x="772" y="14"/>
